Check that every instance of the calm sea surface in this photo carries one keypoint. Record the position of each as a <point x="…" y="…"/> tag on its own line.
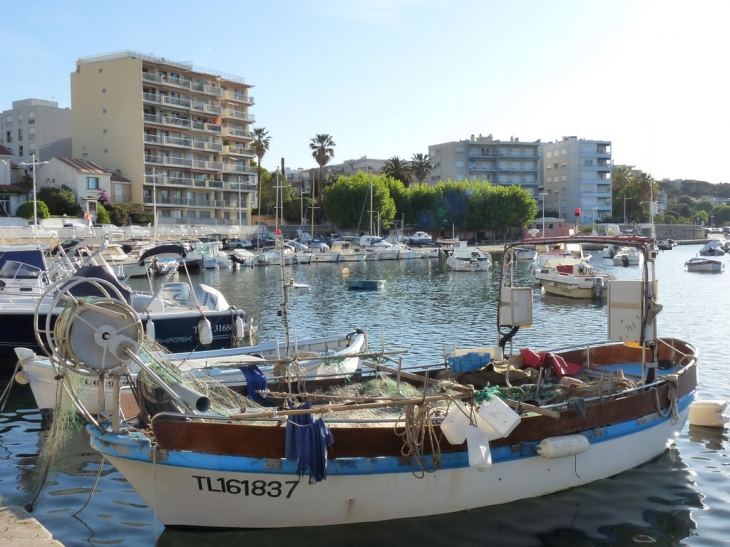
<point x="681" y="498"/>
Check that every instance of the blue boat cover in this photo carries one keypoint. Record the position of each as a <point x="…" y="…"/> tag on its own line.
<point x="307" y="440"/>
<point x="255" y="382"/>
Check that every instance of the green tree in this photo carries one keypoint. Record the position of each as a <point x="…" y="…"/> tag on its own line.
<point x="621" y="176"/>
<point x="60" y="201"/>
<point x="682" y="210"/>
<point x="102" y="216"/>
<point x="25" y="210"/>
<point x="260" y="144"/>
<point x="26" y="184"/>
<point x="322" y="146"/>
<point x="398" y="169"/>
<point x="421" y="166"/>
<point x="347" y="202"/>
<point x="121" y="213"/>
<point x="722" y="215"/>
<point x="703" y="205"/>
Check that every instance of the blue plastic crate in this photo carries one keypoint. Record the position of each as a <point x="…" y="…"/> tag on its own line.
<point x="469" y="361"/>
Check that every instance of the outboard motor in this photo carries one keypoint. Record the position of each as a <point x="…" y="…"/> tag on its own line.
<point x="625" y="261"/>
<point x="210" y="298"/>
<point x="179" y="292"/>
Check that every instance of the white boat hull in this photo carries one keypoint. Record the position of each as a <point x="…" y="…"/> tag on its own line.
<point x="186" y="489"/>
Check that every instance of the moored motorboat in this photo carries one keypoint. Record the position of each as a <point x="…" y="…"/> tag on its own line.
<point x="574" y="280"/>
<point x="704" y="264"/>
<point x="714" y="247"/>
<point x="309" y="361"/>
<point x="468" y="259"/>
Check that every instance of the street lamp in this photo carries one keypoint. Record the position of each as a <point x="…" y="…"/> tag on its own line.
<point x="34" y="164"/>
<point x="594" y="217"/>
<point x="625" y="198"/>
<point x="543" y="194"/>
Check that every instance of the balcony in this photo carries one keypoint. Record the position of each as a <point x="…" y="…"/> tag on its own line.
<point x="238" y="115"/>
<point x="210" y="146"/>
<point x="238" y="169"/>
<point x="207" y="165"/>
<point x="167" y="160"/>
<point x="238" y="151"/>
<point x="207" y="88"/>
<point x="237" y="133"/>
<point x="176" y="102"/>
<point x="207" y="127"/>
<point x="238" y="97"/>
<point x="207" y="108"/>
<point x="168" y="141"/>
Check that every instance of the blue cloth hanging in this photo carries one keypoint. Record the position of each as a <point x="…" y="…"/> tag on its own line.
<point x="255" y="382"/>
<point x="307" y="440"/>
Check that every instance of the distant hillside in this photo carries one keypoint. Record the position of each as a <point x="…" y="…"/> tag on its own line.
<point x="698" y="188"/>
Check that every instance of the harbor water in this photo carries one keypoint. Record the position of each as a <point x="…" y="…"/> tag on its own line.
<point x="425" y="310"/>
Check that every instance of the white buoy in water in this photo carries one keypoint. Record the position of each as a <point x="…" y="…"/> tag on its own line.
<point x="708" y="413"/>
<point x="345" y="272"/>
<point x="205" y="332"/>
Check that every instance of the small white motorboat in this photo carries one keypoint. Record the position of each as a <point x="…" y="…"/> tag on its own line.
<point x="704" y="264"/>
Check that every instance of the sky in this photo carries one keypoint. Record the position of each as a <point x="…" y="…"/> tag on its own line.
<point x="388" y="78"/>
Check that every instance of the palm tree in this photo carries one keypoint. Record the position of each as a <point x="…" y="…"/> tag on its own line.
<point x="323" y="151"/>
<point x="260" y="145"/>
<point x="398" y="169"/>
<point x="621" y="176"/>
<point x="421" y="166"/>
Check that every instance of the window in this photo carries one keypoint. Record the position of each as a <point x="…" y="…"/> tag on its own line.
<point x="92" y="183"/>
<point x="587" y="163"/>
<point x="8" y="136"/>
<point x="31" y="117"/>
<point x="101" y="70"/>
<point x="20" y="117"/>
<point x="31" y="133"/>
<point x="20" y="151"/>
<point x="31" y="147"/>
<point x="20" y="134"/>
<point x="555" y="165"/>
<point x="563" y="151"/>
<point x="118" y="193"/>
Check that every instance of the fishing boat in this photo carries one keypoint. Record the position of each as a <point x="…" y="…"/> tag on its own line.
<point x="580" y="414"/>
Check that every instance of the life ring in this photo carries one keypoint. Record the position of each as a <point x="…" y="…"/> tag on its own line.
<point x="581" y="270"/>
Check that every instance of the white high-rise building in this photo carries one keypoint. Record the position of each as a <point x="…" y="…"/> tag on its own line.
<point x="577" y="174"/>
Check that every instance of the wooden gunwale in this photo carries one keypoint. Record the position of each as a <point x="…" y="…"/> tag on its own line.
<point x="268" y="441"/>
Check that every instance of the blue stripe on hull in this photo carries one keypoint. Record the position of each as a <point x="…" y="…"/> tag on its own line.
<point x="135" y="446"/>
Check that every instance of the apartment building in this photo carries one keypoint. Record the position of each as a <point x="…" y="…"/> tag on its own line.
<point x="500" y="162"/>
<point x="577" y="174"/>
<point x="35" y="126"/>
<point x="180" y="134"/>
